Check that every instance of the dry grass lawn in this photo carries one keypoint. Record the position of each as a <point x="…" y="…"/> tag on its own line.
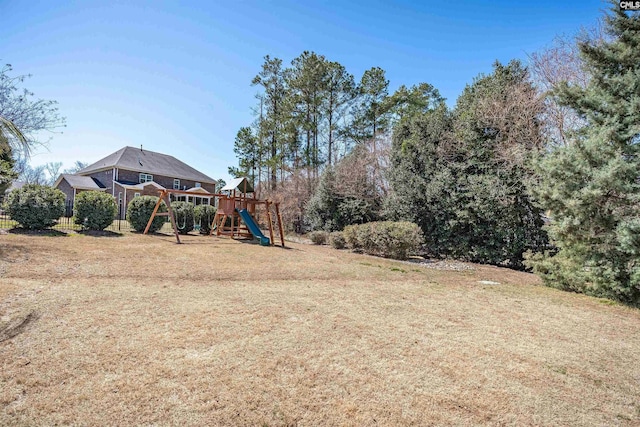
<point x="137" y="330"/>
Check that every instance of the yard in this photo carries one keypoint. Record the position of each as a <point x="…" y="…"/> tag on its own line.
<point x="130" y="329"/>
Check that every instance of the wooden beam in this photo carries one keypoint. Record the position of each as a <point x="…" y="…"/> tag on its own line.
<point x="268" y="203"/>
<point x="153" y="215"/>
<point x="280" y="224"/>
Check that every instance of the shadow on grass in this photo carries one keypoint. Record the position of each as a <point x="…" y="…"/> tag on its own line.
<point x="100" y="233"/>
<point x="45" y="232"/>
<point x="256" y="242"/>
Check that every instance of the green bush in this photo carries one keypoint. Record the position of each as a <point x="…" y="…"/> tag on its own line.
<point x="385" y="238"/>
<point x="204" y="215"/>
<point x="35" y="206"/>
<point x="94" y="210"/>
<point x="139" y="211"/>
<point x="318" y="237"/>
<point x="336" y="240"/>
<point x="183" y="212"/>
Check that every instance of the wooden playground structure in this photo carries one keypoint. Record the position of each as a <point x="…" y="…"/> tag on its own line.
<point x="237" y="214"/>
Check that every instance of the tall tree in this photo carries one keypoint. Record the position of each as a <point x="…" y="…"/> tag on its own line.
<point x="407" y="102"/>
<point x="271" y="80"/>
<point x="370" y="115"/>
<point x="306" y="81"/>
<point x="246" y="149"/>
<point x="340" y="91"/>
<point x="591" y="187"/>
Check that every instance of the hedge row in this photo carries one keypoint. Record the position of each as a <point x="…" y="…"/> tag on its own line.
<point x="385" y="238"/>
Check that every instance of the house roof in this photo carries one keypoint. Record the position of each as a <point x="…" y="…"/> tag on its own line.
<point x="15" y="185"/>
<point x="238" y="184"/>
<point x="80" y="182"/>
<point x="139" y="160"/>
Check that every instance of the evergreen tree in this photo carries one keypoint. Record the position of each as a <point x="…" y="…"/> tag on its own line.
<point x="7" y="172"/>
<point x="370" y="116"/>
<point x="339" y="92"/>
<point x="462" y="176"/>
<point x="592" y="187"/>
<point x="271" y="79"/>
<point x="246" y="149"/>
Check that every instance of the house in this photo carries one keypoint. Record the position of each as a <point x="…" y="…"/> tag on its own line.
<point x="131" y="172"/>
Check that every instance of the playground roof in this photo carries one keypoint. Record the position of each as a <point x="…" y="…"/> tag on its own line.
<point x="239" y="184"/>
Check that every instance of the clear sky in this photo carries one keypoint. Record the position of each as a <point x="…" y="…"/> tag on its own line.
<point x="175" y="76"/>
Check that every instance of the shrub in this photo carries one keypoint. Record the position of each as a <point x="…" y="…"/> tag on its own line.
<point x="204" y="215"/>
<point x="139" y="211"/>
<point x="35" y="206"/>
<point x="95" y="210"/>
<point x="184" y="214"/>
<point x="385" y="238"/>
<point x="336" y="239"/>
<point x="318" y="237"/>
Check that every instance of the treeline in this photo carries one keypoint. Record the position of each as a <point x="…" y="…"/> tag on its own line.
<point x="553" y="142"/>
<point x="313" y="113"/>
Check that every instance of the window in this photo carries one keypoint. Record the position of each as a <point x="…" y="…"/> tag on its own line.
<point x="136" y="194"/>
<point x="197" y="185"/>
<point x="145" y="177"/>
<point x="176" y="184"/>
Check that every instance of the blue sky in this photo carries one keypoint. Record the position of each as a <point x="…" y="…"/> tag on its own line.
<point x="175" y="76"/>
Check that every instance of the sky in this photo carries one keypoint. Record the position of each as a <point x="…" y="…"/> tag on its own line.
<point x="175" y="77"/>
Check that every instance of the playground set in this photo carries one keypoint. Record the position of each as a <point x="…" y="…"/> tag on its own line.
<point x="235" y="216"/>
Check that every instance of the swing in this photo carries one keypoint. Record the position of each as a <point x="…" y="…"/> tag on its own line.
<point x="184" y="222"/>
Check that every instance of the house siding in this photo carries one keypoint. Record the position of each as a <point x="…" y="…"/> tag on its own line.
<point x="105" y="178"/>
<point x="165" y="181"/>
<point x="66" y="189"/>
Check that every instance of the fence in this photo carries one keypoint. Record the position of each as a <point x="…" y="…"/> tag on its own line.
<point x="68" y="221"/>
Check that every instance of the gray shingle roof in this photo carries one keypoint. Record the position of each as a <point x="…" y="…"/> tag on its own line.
<point x="136" y="159"/>
<point x="82" y="182"/>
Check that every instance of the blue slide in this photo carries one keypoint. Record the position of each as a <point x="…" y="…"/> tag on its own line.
<point x="253" y="227"/>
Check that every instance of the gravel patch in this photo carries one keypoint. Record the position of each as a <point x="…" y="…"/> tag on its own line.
<point x="450" y="265"/>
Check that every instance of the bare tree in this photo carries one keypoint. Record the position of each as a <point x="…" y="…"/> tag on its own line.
<point x="557" y="63"/>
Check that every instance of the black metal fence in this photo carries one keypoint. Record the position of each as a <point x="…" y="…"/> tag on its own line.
<point x="68" y="221"/>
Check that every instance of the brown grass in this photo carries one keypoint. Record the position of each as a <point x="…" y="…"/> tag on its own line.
<point x="137" y="330"/>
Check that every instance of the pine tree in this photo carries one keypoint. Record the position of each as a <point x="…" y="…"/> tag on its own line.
<point x="271" y="79"/>
<point x="592" y="187"/>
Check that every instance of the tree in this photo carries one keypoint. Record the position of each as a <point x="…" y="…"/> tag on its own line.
<point x="7" y="173"/>
<point x="408" y="102"/>
<point x="370" y="115"/>
<point x="77" y="167"/>
<point x="340" y="92"/>
<point x="10" y="136"/>
<point x="591" y="187"/>
<point x="42" y="175"/>
<point x="21" y="117"/>
<point x="246" y="149"/>
<point x="557" y="63"/>
<point x="271" y="79"/>
<point x="220" y="184"/>
<point x="306" y="82"/>
<point x="462" y="176"/>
